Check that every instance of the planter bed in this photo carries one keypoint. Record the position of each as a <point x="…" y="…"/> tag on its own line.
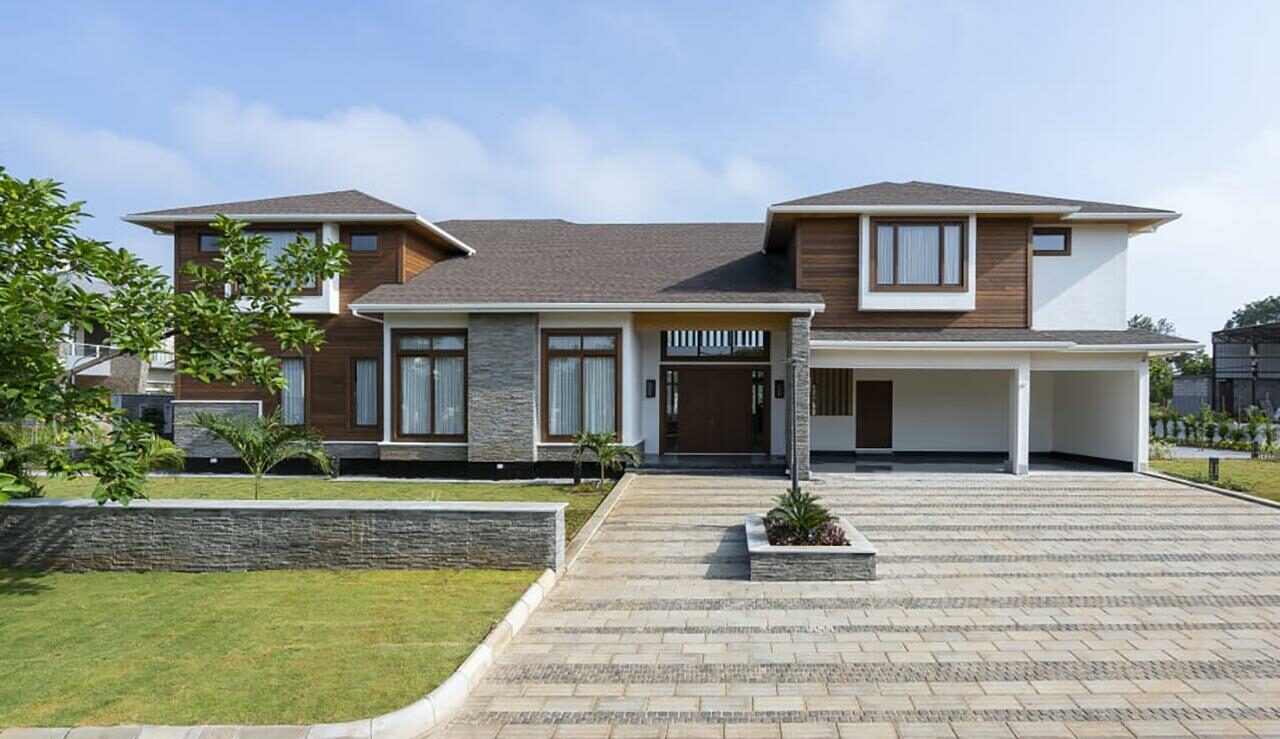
<point x="779" y="563"/>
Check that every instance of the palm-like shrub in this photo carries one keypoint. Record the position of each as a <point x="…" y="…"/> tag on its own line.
<point x="603" y="447"/>
<point x="798" y="518"/>
<point x="266" y="441"/>
<point x="25" y="448"/>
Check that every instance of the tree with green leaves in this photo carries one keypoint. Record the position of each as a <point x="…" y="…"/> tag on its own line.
<point x="1266" y="310"/>
<point x="44" y="264"/>
<point x="1147" y="323"/>
<point x="609" y="455"/>
<point x="262" y="442"/>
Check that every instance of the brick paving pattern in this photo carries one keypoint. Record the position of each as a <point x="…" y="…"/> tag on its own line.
<point x="1065" y="605"/>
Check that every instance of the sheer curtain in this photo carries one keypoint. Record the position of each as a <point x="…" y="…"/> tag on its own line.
<point x="366" y="392"/>
<point x="448" y="409"/>
<point x="951" y="255"/>
<point x="292" y="398"/>
<point x="884" y="255"/>
<point x="598" y="394"/>
<point x="917" y="255"/>
<point x="276" y="243"/>
<point x="415" y="387"/>
<point x="563" y="383"/>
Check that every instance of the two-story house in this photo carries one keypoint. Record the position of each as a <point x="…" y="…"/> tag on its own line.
<point x="890" y="318"/>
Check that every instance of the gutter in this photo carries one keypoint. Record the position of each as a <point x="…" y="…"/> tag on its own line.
<point x="810" y="308"/>
<point x="1050" y="346"/>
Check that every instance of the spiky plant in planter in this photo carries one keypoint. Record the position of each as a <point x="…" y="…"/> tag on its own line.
<point x="798" y="519"/>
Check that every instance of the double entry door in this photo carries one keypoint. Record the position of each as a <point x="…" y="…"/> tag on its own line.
<point x="715" y="410"/>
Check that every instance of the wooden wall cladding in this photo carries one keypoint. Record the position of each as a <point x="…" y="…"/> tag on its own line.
<point x="825" y="253"/>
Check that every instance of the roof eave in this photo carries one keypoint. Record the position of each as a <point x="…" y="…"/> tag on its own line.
<point x="1050" y="346"/>
<point x="545" y="307"/>
<point x="166" y="223"/>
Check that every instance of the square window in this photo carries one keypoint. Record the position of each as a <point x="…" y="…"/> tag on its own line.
<point x="209" y="243"/>
<point x="364" y="242"/>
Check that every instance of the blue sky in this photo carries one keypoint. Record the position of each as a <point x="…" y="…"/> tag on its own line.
<point x="617" y="111"/>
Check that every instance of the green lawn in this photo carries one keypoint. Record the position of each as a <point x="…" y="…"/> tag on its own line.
<point x="257" y="647"/>
<point x="1254" y="476"/>
<point x="581" y="503"/>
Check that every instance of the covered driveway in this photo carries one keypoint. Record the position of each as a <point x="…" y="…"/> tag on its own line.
<point x="1049" y="605"/>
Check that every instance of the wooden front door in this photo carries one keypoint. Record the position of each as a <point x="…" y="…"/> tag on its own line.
<point x="714" y="414"/>
<point x="874" y="414"/>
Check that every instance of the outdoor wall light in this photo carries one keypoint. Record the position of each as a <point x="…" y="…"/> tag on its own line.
<point x="650" y="388"/>
<point x="779" y="388"/>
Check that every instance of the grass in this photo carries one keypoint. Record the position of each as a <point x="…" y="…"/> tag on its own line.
<point x="256" y="647"/>
<point x="1254" y="476"/>
<point x="582" y="501"/>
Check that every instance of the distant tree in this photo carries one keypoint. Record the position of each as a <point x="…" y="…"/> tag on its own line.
<point x="1266" y="310"/>
<point x="1196" y="363"/>
<point x="1147" y="323"/>
<point x="1161" y="379"/>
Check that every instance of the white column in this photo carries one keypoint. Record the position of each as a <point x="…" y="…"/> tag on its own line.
<point x="1142" y="388"/>
<point x="386" y="382"/>
<point x="1020" y="418"/>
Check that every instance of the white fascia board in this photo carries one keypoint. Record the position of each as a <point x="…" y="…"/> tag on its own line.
<point x="1131" y="216"/>
<point x="146" y="220"/>
<point x="923" y="209"/>
<point x="565" y="307"/>
<point x="943" y="345"/>
<point x="1142" y="348"/>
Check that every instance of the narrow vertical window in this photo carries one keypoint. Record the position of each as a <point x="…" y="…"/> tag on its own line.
<point x="365" y="397"/>
<point x="293" y="396"/>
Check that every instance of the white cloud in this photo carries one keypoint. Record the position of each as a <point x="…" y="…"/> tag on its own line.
<point x="1221" y="254"/>
<point x="850" y="28"/>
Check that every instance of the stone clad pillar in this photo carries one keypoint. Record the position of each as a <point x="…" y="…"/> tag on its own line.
<point x="798" y="394"/>
<point x="1020" y="418"/>
<point x="502" y="387"/>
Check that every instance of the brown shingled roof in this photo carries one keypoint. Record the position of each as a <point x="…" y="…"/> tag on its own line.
<point x="554" y="261"/>
<point x="347" y="202"/>
<point x="930" y="193"/>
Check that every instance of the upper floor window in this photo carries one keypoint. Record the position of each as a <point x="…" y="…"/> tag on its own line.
<point x="918" y="255"/>
<point x="580" y="376"/>
<point x="364" y="242"/>
<point x="210" y="243"/>
<point x="1051" y="242"/>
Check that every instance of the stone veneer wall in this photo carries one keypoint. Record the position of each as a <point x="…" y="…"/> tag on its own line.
<point x="210" y="536"/>
<point x="197" y="442"/>
<point x="564" y="453"/>
<point x="798" y="395"/>
<point x="502" y="387"/>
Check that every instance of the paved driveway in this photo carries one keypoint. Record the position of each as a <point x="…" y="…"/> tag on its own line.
<point x="1085" y="605"/>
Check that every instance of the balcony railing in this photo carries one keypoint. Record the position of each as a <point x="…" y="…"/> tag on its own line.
<point x="78" y="353"/>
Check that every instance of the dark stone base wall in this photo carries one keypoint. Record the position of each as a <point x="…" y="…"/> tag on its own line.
<point x="210" y="536"/>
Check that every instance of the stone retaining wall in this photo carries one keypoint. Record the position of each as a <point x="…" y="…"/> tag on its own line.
<point x="200" y="536"/>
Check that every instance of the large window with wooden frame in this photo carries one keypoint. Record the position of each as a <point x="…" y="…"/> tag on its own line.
<point x="581" y="378"/>
<point x="430" y="384"/>
<point x="831" y="391"/>
<point x="713" y="345"/>
<point x="366" y="403"/>
<point x="918" y="255"/>
<point x="1051" y="242"/>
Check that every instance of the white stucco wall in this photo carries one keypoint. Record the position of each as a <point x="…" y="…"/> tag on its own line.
<point x="632" y="384"/>
<point x="1041" y="412"/>
<point x="1094" y="413"/>
<point x="1088" y="289"/>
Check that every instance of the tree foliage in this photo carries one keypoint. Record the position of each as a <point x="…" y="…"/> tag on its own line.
<point x="1147" y="323"/>
<point x="262" y="442"/>
<point x="45" y="267"/>
<point x="1266" y="310"/>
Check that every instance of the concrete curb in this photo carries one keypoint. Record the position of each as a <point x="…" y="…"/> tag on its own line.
<point x="1209" y="488"/>
<point x="423" y="718"/>
<point x="593" y="524"/>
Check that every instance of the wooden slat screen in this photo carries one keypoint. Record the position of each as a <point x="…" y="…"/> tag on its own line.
<point x="831" y="392"/>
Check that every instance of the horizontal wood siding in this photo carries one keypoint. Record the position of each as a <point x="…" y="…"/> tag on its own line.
<point x="328" y="371"/>
<point x="419" y="255"/>
<point x="826" y="260"/>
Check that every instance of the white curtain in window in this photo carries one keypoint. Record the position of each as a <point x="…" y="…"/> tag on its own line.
<point x="276" y="243"/>
<point x="951" y="255"/>
<point x="293" y="397"/>
<point x="599" y="396"/>
<point x="448" y="397"/>
<point x="415" y="387"/>
<point x="917" y="255"/>
<point x="563" y="383"/>
<point x="366" y="392"/>
<point x="884" y="255"/>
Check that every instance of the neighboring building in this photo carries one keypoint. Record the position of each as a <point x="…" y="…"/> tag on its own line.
<point x="1191" y="393"/>
<point x="1246" y="368"/>
<point x="919" y="318"/>
<point x="123" y="375"/>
